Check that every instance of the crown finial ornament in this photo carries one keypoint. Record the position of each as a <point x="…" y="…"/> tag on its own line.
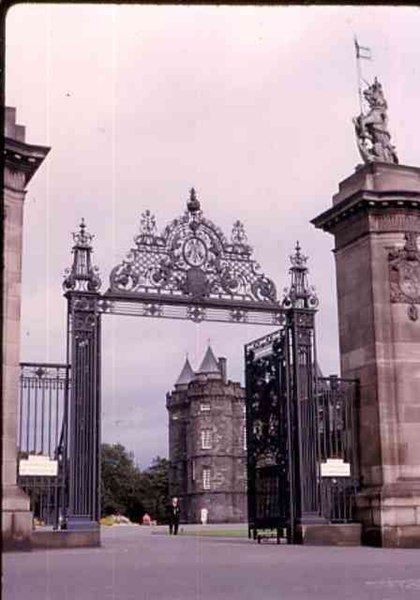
<point x="82" y="238"/>
<point x="82" y="275"/>
<point x="372" y="135"/>
<point x="297" y="259"/>
<point x="148" y="223"/>
<point x="300" y="294"/>
<point x="193" y="204"/>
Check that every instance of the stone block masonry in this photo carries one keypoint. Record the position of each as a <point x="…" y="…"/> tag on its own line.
<point x="21" y="161"/>
<point x="375" y="220"/>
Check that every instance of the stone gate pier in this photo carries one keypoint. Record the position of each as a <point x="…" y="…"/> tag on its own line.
<point x="21" y="161"/>
<point x="375" y="220"/>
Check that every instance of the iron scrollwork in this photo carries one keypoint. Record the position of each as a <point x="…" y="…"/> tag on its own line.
<point x="264" y="405"/>
<point x="84" y="303"/>
<point x="192" y="259"/>
<point x="196" y="313"/>
<point x="84" y="321"/>
<point x="238" y="316"/>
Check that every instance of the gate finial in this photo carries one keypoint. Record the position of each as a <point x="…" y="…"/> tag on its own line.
<point x="300" y="294"/>
<point x="82" y="276"/>
<point x="193" y="204"/>
<point x="82" y="237"/>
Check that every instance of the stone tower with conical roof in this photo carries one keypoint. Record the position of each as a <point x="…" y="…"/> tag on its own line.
<point x="207" y="443"/>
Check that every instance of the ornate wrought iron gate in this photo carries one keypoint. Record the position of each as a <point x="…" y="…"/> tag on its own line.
<point x="301" y="438"/>
<point x="192" y="271"/>
<point x="283" y="466"/>
<point x="302" y="449"/>
<point x="42" y="438"/>
<point x="269" y="422"/>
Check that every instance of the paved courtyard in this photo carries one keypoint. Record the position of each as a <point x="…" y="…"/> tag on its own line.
<point x="134" y="564"/>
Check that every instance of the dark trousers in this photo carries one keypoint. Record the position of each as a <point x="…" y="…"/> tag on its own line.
<point x="173" y="527"/>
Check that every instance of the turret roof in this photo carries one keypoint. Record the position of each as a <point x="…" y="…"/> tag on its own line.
<point x="186" y="374"/>
<point x="209" y="364"/>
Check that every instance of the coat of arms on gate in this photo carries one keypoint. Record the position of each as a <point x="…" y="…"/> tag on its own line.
<point x="404" y="275"/>
<point x="192" y="260"/>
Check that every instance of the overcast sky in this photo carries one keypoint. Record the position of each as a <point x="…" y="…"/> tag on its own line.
<point x="251" y="105"/>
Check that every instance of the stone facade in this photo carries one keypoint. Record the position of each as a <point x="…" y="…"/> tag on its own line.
<point x="21" y="161"/>
<point x="207" y="444"/>
<point x="375" y="220"/>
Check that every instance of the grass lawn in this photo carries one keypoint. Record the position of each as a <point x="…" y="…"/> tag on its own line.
<point x="216" y="532"/>
<point x="207" y="532"/>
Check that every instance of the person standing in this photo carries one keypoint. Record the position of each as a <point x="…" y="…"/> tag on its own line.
<point x="204" y="514"/>
<point x="174" y="512"/>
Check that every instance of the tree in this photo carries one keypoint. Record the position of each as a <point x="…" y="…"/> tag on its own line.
<point x="127" y="490"/>
<point x="156" y="488"/>
<point x="120" y="483"/>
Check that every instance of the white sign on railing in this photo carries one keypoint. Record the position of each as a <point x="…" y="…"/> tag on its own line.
<point x="38" y="466"/>
<point x="335" y="467"/>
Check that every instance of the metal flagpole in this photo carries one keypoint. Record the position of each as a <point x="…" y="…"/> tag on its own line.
<point x="362" y="52"/>
<point x="359" y="74"/>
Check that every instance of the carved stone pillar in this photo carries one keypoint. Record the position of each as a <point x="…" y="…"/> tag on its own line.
<point x="375" y="220"/>
<point x="21" y="161"/>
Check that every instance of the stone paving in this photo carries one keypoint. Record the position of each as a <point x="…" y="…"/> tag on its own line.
<point x="133" y="564"/>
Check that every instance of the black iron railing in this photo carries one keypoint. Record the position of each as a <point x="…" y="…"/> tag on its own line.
<point x="338" y="498"/>
<point x="42" y="438"/>
<point x="337" y="402"/>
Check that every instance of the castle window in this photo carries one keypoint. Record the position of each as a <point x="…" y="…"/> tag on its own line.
<point x="204" y="407"/>
<point x="206" y="477"/>
<point x="206" y="439"/>
<point x="245" y="444"/>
